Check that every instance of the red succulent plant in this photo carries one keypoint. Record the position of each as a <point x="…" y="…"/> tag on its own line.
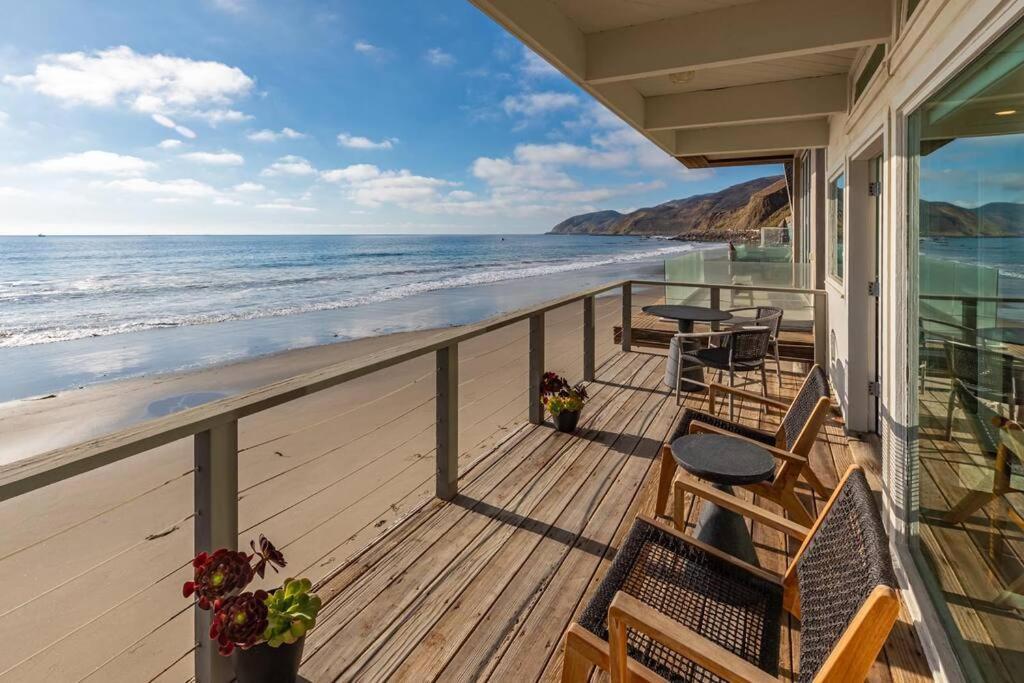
<point x="218" y="575"/>
<point x="239" y="620"/>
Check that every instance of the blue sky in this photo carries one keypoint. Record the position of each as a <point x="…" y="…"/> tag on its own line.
<point x="250" y="116"/>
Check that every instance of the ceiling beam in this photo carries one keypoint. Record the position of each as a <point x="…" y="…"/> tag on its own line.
<point x="758" y="137"/>
<point x="759" y="31"/>
<point x="801" y="98"/>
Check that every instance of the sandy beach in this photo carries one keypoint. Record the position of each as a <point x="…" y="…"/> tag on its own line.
<point x="320" y="476"/>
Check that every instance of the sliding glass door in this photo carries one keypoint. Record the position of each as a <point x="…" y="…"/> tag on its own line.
<point x="966" y="219"/>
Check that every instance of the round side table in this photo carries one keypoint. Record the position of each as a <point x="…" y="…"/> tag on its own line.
<point x="723" y="461"/>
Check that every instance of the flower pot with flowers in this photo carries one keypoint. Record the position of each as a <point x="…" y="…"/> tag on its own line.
<point x="264" y="631"/>
<point x="562" y="400"/>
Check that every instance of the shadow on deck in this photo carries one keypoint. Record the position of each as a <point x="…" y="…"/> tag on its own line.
<point x="483" y="587"/>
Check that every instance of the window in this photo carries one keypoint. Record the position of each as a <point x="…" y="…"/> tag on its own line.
<point x="911" y="6"/>
<point x="870" y="67"/>
<point x="836" y="227"/>
<point x="966" y="474"/>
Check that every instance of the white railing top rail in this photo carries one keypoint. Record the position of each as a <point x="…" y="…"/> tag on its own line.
<point x="41" y="470"/>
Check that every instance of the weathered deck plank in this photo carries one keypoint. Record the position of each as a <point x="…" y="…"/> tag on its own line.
<point x="482" y="588"/>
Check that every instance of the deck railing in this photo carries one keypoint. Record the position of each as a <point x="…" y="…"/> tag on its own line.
<point x="214" y="425"/>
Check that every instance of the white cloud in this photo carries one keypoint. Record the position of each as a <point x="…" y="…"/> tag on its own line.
<point x="289" y="165"/>
<point x="248" y="187"/>
<point x="215" y="116"/>
<point x="227" y="201"/>
<point x="168" y="122"/>
<point x="351" y="174"/>
<point x="535" y="66"/>
<point x="95" y="162"/>
<point x="367" y="185"/>
<point x="170" y="144"/>
<point x="150" y="84"/>
<point x="461" y="196"/>
<point x="223" y="158"/>
<point x="365" y="47"/>
<point x="360" y="142"/>
<point x="4" y="118"/>
<point x="563" y="153"/>
<point x="438" y="57"/>
<point x="537" y="103"/>
<point x="8" y="192"/>
<point x="229" y="6"/>
<point x="183" y="187"/>
<point x="285" y="205"/>
<point x="506" y="173"/>
<point x="267" y="135"/>
<point x="171" y="200"/>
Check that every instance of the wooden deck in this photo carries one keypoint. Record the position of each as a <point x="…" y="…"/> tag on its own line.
<point x="484" y="586"/>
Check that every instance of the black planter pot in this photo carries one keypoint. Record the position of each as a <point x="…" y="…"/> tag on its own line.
<point x="567" y="420"/>
<point x="265" y="664"/>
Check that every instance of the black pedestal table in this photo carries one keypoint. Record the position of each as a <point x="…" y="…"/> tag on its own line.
<point x="723" y="461"/>
<point x="685" y="316"/>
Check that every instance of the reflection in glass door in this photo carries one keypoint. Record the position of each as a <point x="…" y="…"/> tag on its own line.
<point x="966" y="221"/>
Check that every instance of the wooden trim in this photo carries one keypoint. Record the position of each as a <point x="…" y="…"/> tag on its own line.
<point x="706" y="285"/>
<point x="852" y="657"/>
<point x="739" y="506"/>
<point x="628" y="612"/>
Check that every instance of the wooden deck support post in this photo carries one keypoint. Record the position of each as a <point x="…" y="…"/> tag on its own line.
<point x="588" y="339"/>
<point x="821" y="329"/>
<point x="716" y="303"/>
<point x="536" y="410"/>
<point x="447" y="401"/>
<point x="627" y="316"/>
<point x="216" y="526"/>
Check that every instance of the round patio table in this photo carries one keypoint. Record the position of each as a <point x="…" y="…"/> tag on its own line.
<point x="685" y="316"/>
<point x="723" y="461"/>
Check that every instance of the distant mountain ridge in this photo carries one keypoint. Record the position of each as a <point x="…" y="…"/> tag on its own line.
<point x="995" y="219"/>
<point x="735" y="213"/>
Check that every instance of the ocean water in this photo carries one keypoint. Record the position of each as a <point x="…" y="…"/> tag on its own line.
<point x="77" y="311"/>
<point x="55" y="289"/>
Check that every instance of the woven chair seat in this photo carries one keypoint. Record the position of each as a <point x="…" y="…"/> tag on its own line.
<point x="689" y="415"/>
<point x="718" y="357"/>
<point x="715" y="598"/>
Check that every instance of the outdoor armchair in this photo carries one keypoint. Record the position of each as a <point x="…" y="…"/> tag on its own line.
<point x="673" y="608"/>
<point x="770" y="317"/>
<point x="790" y="444"/>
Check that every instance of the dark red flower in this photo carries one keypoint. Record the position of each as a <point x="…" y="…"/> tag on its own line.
<point x="218" y="575"/>
<point x="239" y="620"/>
<point x="268" y="554"/>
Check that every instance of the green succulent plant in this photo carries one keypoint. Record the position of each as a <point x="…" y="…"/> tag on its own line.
<point x="291" y="612"/>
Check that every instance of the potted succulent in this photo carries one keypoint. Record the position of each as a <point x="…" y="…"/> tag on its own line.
<point x="263" y="631"/>
<point x="562" y="400"/>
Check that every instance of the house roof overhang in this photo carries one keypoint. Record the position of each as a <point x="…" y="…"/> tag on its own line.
<point x="710" y="82"/>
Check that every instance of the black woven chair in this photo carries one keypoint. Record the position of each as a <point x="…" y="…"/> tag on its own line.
<point x="790" y="444"/>
<point x="672" y="608"/>
<point x="984" y="374"/>
<point x="770" y="317"/>
<point x="742" y="350"/>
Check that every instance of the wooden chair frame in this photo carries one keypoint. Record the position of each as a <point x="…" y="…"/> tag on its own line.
<point x="794" y="462"/>
<point x="849" y="661"/>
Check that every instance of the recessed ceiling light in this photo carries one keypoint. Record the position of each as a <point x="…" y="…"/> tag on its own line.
<point x="1006" y="112"/>
<point x="682" y="77"/>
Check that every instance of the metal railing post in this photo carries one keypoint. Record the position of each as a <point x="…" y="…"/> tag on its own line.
<point x="588" y="339"/>
<point x="536" y="410"/>
<point x="969" y="313"/>
<point x="821" y="329"/>
<point x="716" y="303"/>
<point x="447" y="401"/>
<point x="627" y="316"/>
<point x="216" y="526"/>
